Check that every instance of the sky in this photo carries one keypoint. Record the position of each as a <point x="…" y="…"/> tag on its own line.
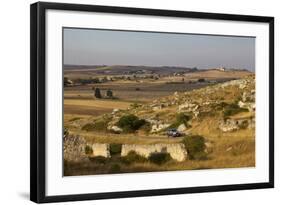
<point x="109" y="47"/>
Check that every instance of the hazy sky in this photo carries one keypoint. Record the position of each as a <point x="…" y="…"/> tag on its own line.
<point x="105" y="47"/>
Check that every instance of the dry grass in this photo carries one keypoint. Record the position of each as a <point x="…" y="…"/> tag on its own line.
<point x="98" y="137"/>
<point x="92" y="107"/>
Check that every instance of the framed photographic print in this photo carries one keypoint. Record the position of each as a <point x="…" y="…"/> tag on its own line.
<point x="129" y="102"/>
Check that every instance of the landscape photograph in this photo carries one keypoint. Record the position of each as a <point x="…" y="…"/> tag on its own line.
<point x="139" y="101"/>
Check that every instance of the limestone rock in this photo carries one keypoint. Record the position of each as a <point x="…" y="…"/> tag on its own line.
<point x="181" y="128"/>
<point x="228" y="126"/>
<point x="115" y="129"/>
<point x="158" y="127"/>
<point x="101" y="150"/>
<point x="74" y="148"/>
<point x="248" y="105"/>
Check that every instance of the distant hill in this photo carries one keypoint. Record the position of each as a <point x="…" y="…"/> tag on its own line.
<point x="127" y="69"/>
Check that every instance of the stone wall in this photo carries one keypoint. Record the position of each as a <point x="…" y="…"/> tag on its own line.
<point x="101" y="150"/>
<point x="74" y="148"/>
<point x="177" y="151"/>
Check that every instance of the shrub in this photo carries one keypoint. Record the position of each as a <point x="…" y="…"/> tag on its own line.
<point x="100" y="125"/>
<point x="98" y="159"/>
<point x="201" y="80"/>
<point x="195" y="147"/>
<point x="115" y="168"/>
<point x="181" y="118"/>
<point x="88" y="150"/>
<point x="115" y="149"/>
<point x="109" y="93"/>
<point x="232" y="109"/>
<point x="135" y="105"/>
<point x="88" y="127"/>
<point x="74" y="119"/>
<point x="98" y="93"/>
<point x="130" y="123"/>
<point x="146" y="127"/>
<point x="133" y="157"/>
<point x="159" y="157"/>
<point x="244" y="124"/>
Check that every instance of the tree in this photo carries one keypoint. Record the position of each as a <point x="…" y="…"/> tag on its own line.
<point x="98" y="93"/>
<point x="65" y="81"/>
<point x="109" y="93"/>
<point x="201" y="80"/>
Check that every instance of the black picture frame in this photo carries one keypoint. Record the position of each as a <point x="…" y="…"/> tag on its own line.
<point x="38" y="103"/>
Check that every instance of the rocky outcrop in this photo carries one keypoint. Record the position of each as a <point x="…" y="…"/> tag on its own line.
<point x="228" y="125"/>
<point x="235" y="124"/>
<point x="189" y="107"/>
<point x="158" y="127"/>
<point x="247" y="105"/>
<point x="74" y="148"/>
<point x="176" y="151"/>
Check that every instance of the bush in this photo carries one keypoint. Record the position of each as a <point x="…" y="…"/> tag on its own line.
<point x="74" y="119"/>
<point x="130" y="123"/>
<point x="100" y="125"/>
<point x="181" y="118"/>
<point x="98" y="93"/>
<point x="146" y="127"/>
<point x="115" y="168"/>
<point x="88" y="127"/>
<point x="244" y="125"/>
<point x="98" y="159"/>
<point x="133" y="157"/>
<point x="159" y="157"/>
<point x="109" y="93"/>
<point x="115" y="149"/>
<point x="232" y="109"/>
<point x="195" y="147"/>
<point x="88" y="150"/>
<point x="201" y="80"/>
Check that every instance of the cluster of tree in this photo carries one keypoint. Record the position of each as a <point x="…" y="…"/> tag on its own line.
<point x="87" y="81"/>
<point x="97" y="93"/>
<point x="201" y="80"/>
<point x="92" y="80"/>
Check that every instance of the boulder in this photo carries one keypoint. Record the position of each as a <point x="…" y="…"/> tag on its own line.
<point x="251" y="106"/>
<point x="181" y="128"/>
<point x="115" y="111"/>
<point x="158" y="127"/>
<point x="115" y="129"/>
